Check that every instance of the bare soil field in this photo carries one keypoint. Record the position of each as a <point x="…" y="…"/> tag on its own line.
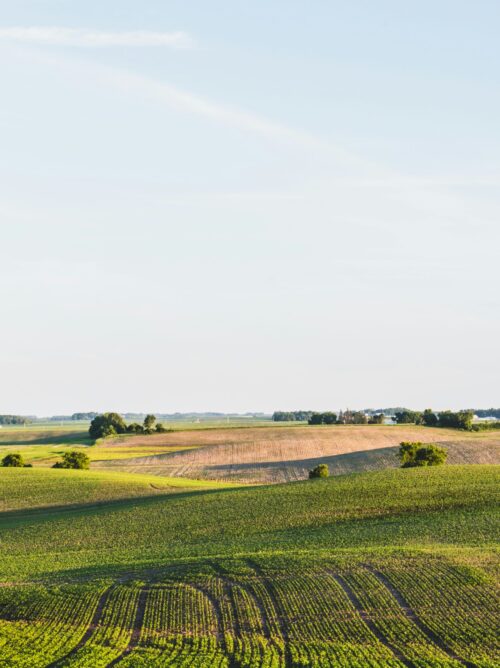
<point x="281" y="454"/>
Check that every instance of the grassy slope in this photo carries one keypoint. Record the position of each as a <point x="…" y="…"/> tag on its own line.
<point x="277" y="576"/>
<point x="25" y="488"/>
<point x="438" y="507"/>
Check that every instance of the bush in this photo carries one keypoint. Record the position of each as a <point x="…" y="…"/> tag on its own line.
<point x="484" y="426"/>
<point x="107" y="424"/>
<point x="320" y="471"/>
<point x="160" y="428"/>
<point x="421" y="454"/>
<point x="73" y="460"/>
<point x="135" y="428"/>
<point x="13" y="460"/>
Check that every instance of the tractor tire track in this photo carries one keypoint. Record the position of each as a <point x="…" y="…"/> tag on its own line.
<point x="96" y="619"/>
<point x="413" y="617"/>
<point x="369" y="623"/>
<point x="267" y="584"/>
<point x="225" y="575"/>
<point x="136" y="629"/>
<point x="221" y="636"/>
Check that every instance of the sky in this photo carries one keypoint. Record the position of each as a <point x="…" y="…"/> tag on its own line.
<point x="249" y="206"/>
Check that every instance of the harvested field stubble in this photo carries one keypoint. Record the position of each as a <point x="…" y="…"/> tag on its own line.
<point x="282" y="454"/>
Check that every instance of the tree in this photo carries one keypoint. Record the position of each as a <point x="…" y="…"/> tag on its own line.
<point x="149" y="422"/>
<point x="135" y="428"/>
<point x="13" y="460"/>
<point x="429" y="418"/>
<point x="73" y="460"/>
<point x="329" y="418"/>
<point x="408" y="417"/>
<point x="358" y="417"/>
<point x="413" y="454"/>
<point x="460" y="420"/>
<point x="160" y="428"/>
<point x="320" y="471"/>
<point x="377" y="419"/>
<point x="316" y="418"/>
<point x="100" y="426"/>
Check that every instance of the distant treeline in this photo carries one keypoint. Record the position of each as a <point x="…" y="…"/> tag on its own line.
<point x="392" y="412"/>
<point x="84" y="416"/>
<point x="343" y="417"/>
<point x="346" y="417"/>
<point x="13" y="419"/>
<point x="487" y="412"/>
<point x="429" y="418"/>
<point x="458" y="420"/>
<point x="291" y="416"/>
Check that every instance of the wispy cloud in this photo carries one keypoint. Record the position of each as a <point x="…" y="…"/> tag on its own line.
<point x="58" y="36"/>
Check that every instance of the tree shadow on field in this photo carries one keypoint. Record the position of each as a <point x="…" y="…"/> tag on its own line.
<point x="49" y="513"/>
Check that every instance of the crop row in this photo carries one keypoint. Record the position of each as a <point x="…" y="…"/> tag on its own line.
<point x="258" y="613"/>
<point x="455" y="604"/>
<point x="36" y="625"/>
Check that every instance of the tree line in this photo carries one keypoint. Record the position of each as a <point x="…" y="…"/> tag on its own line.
<point x="291" y="416"/>
<point x="111" y="424"/>
<point x="12" y="419"/>
<point x="346" y="417"/>
<point x="449" y="419"/>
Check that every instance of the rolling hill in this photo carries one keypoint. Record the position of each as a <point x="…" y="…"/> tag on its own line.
<point x="390" y="568"/>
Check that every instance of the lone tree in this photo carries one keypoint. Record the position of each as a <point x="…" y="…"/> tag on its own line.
<point x="421" y="454"/>
<point x="320" y="471"/>
<point x="149" y="423"/>
<point x="107" y="424"/>
<point x="429" y="418"/>
<point x="14" y="460"/>
<point x="73" y="460"/>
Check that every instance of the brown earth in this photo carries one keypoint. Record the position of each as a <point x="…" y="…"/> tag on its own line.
<point x="280" y="454"/>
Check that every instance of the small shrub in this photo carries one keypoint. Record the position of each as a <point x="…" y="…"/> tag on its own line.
<point x="421" y="454"/>
<point x="73" y="460"/>
<point x="320" y="471"/>
<point x="13" y="460"/>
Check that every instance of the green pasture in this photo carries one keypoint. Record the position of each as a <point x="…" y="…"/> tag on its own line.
<point x="447" y="506"/>
<point x="384" y="569"/>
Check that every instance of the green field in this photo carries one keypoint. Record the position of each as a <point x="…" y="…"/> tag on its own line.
<point x="388" y="568"/>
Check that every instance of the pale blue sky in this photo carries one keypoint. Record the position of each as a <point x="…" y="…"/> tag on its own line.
<point x="249" y="205"/>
